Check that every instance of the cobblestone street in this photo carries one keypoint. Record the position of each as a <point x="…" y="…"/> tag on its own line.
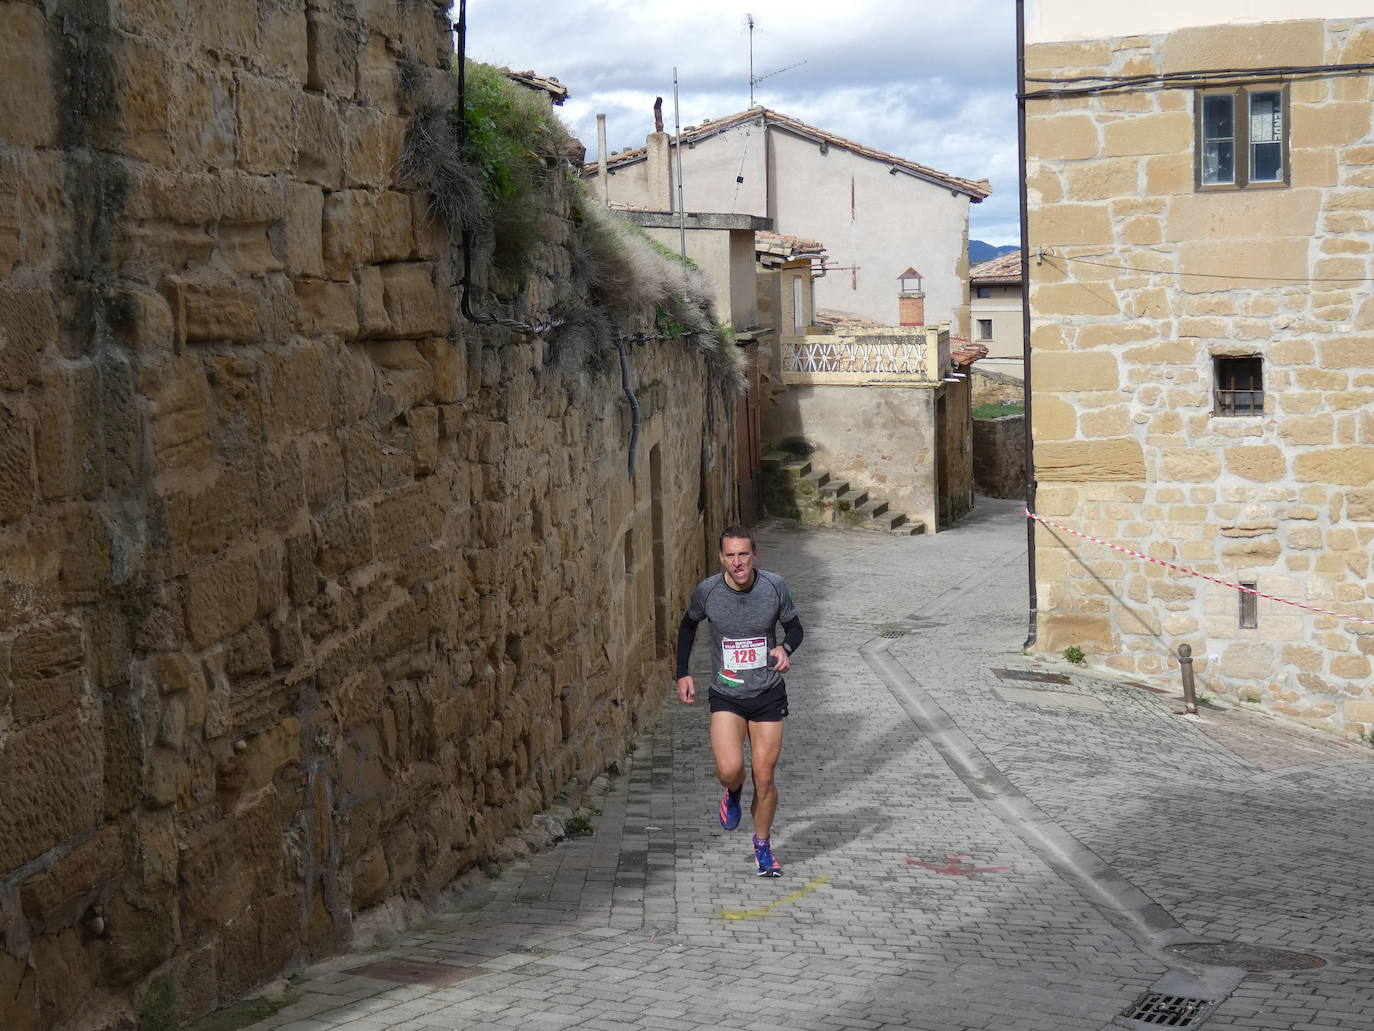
<point x="964" y="849"/>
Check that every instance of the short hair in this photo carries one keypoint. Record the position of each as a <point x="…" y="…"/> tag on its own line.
<point x="740" y="533"/>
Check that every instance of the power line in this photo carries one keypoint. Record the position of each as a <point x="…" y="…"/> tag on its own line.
<point x="1215" y="275"/>
<point x="1181" y="80"/>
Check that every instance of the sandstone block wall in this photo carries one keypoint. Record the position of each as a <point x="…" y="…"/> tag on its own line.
<point x="1145" y="281"/>
<point x="310" y="591"/>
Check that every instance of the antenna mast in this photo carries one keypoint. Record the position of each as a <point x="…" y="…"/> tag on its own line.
<point x="749" y="19"/>
<point x="754" y="80"/>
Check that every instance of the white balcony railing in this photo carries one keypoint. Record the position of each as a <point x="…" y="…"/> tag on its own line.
<point x="865" y="356"/>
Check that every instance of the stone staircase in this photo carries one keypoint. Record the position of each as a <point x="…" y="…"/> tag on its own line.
<point x="793" y="489"/>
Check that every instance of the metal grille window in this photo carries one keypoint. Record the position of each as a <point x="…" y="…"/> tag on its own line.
<point x="1238" y="385"/>
<point x="985" y="329"/>
<point x="1242" y="138"/>
<point x="1249" y="605"/>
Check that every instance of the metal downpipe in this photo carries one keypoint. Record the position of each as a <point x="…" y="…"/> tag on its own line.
<point x="1032" y="601"/>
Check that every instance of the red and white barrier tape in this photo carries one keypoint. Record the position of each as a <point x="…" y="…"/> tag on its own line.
<point x="1192" y="572"/>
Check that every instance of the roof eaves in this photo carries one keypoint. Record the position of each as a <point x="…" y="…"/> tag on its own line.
<point x="976" y="190"/>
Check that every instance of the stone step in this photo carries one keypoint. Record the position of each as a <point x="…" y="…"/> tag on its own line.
<point x="873" y="508"/>
<point x="812" y="496"/>
<point x="851" y="500"/>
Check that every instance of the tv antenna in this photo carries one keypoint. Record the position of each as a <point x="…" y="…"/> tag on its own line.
<point x="754" y="80"/>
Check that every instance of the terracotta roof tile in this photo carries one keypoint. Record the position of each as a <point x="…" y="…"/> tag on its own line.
<point x="1005" y="269"/>
<point x="556" y="90"/>
<point x="775" y="249"/>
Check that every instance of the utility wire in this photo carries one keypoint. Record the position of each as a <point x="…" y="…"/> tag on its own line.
<point x="1214" y="275"/>
<point x="1181" y="80"/>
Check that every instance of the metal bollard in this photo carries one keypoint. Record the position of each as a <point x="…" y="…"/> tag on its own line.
<point x="1185" y="667"/>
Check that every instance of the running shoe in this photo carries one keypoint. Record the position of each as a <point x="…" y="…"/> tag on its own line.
<point x="768" y="866"/>
<point x="729" y="809"/>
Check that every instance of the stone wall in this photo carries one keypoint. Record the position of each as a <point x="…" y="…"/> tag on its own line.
<point x="881" y="438"/>
<point x="999" y="456"/>
<point x="311" y="592"/>
<point x="1145" y="281"/>
<point x="991" y="387"/>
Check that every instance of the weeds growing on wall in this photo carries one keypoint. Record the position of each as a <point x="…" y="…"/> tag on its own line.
<point x="498" y="183"/>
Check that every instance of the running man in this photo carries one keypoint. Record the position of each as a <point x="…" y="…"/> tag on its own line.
<point x="748" y="698"/>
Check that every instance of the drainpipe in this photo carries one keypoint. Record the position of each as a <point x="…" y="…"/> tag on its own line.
<point x="1026" y="316"/>
<point x="602" y="168"/>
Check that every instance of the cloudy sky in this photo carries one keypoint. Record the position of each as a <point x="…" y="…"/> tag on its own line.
<point x="928" y="80"/>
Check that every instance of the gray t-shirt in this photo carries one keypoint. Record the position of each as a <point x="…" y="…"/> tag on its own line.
<point x="743" y="630"/>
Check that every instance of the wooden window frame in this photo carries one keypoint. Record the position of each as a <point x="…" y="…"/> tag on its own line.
<point x="1241" y="116"/>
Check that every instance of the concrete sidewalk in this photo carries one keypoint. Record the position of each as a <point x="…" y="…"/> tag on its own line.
<point x="964" y="849"/>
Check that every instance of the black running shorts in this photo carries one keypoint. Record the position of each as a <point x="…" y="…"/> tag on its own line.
<point x="769" y="707"/>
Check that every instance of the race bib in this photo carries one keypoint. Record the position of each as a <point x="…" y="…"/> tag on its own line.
<point x="744" y="652"/>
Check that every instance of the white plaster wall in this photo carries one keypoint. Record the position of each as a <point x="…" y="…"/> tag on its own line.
<point x="710" y="168"/>
<point x="1056" y="21"/>
<point x="895" y="221"/>
<point x="726" y="259"/>
<point x="628" y="186"/>
<point x="1004" y="309"/>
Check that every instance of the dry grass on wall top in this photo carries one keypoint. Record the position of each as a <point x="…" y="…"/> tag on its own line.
<point x="514" y="184"/>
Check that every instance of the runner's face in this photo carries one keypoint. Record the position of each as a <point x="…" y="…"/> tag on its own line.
<point x="737" y="559"/>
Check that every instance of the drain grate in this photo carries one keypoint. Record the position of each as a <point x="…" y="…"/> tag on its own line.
<point x="1167" y="1010"/>
<point x="892" y="633"/>
<point x="1038" y="678"/>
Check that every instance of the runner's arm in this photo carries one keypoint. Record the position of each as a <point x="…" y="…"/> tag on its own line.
<point x="792" y="635"/>
<point x="686" y="637"/>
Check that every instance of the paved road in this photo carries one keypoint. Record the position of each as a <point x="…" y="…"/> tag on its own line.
<point x="964" y="850"/>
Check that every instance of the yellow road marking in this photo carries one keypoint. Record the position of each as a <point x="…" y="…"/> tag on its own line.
<point x="749" y="914"/>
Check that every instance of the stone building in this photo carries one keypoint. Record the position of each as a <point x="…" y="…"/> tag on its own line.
<point x="1201" y="235"/>
<point x="312" y="590"/>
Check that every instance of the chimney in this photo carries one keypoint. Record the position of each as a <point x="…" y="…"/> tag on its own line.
<point x="911" y="299"/>
<point x="659" y="154"/>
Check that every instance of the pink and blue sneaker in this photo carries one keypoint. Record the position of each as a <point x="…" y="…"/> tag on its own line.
<point x="763" y="852"/>
<point x="729" y="809"/>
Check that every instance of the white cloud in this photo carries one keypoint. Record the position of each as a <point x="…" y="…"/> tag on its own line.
<point x="929" y="81"/>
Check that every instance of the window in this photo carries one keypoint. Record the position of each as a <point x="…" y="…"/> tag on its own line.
<point x="983" y="292"/>
<point x="1249" y="605"/>
<point x="1242" y="138"/>
<point x="985" y="329"/>
<point x="1238" y="385"/>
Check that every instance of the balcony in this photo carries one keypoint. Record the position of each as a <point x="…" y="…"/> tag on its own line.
<point x="867" y="356"/>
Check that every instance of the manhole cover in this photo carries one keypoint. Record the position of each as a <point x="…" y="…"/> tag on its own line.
<point x="1254" y="958"/>
<point x="1023" y="674"/>
<point x="1167" y="1010"/>
<point x="404" y="971"/>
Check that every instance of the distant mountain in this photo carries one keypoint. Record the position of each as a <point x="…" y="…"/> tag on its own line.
<point x="980" y="251"/>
